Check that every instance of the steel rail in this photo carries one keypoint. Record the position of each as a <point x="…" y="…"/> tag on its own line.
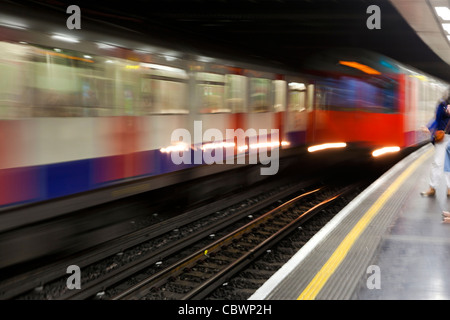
<point x="171" y="271"/>
<point x="14" y="286"/>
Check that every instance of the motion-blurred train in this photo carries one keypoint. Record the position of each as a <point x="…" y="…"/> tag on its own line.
<point x="84" y="110"/>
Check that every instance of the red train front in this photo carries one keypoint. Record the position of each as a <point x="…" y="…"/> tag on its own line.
<point x="370" y="101"/>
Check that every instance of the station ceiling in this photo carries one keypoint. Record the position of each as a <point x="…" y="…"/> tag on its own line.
<point x="283" y="31"/>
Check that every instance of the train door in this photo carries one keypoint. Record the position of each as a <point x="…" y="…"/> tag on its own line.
<point x="280" y="100"/>
<point x="300" y="96"/>
<point x="409" y="121"/>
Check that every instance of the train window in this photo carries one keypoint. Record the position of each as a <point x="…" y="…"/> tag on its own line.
<point x="169" y="96"/>
<point x="164" y="89"/>
<point x="210" y="92"/>
<point x="68" y="83"/>
<point x="389" y="97"/>
<point x="97" y="89"/>
<point x="310" y="97"/>
<point x="347" y="94"/>
<point x="280" y="95"/>
<point x="297" y="96"/>
<point x="260" y="95"/>
<point x="55" y="84"/>
<point x="378" y="95"/>
<point x="15" y="91"/>
<point x="146" y="103"/>
<point x="128" y="89"/>
<point x="89" y="97"/>
<point x="236" y="93"/>
<point x="112" y="75"/>
<point x="323" y="96"/>
<point x="163" y="71"/>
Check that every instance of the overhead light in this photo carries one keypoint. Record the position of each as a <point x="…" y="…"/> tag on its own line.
<point x="56" y="50"/>
<point x="131" y="66"/>
<point x="446" y="27"/>
<point x="327" y="146"/>
<point x="65" y="38"/>
<point x="106" y="46"/>
<point x="296" y="86"/>
<point x="13" y="24"/>
<point x="144" y="51"/>
<point x="170" y="58"/>
<point x="163" y="68"/>
<point x="385" y="150"/>
<point x="443" y="12"/>
<point x="420" y="77"/>
<point x="87" y="56"/>
<point x="204" y="59"/>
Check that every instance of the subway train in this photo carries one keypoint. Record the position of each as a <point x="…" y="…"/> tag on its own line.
<point x="88" y="116"/>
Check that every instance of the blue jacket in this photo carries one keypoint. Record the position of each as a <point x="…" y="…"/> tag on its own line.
<point x="441" y="119"/>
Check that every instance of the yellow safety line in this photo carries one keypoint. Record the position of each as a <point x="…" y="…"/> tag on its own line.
<point x="316" y="284"/>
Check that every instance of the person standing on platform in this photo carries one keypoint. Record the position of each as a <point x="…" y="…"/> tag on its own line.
<point x="437" y="165"/>
<point x="446" y="214"/>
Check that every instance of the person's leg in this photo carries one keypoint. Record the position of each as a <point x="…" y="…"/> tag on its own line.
<point x="436" y="169"/>
<point x="447" y="163"/>
<point x="446" y="214"/>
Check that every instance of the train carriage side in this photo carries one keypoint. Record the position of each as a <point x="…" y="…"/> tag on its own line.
<point x="82" y="116"/>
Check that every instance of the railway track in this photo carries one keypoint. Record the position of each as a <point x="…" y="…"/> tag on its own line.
<point x="141" y="249"/>
<point x="197" y="275"/>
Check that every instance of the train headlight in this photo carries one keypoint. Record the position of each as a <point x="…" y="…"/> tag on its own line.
<point x="327" y="146"/>
<point x="385" y="150"/>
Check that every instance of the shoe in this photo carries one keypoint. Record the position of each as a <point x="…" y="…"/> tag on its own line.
<point x="446" y="214"/>
<point x="429" y="193"/>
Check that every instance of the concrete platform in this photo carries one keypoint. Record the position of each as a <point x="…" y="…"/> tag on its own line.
<point x="388" y="243"/>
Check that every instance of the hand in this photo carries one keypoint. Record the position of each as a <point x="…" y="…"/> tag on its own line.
<point x="424" y="129"/>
